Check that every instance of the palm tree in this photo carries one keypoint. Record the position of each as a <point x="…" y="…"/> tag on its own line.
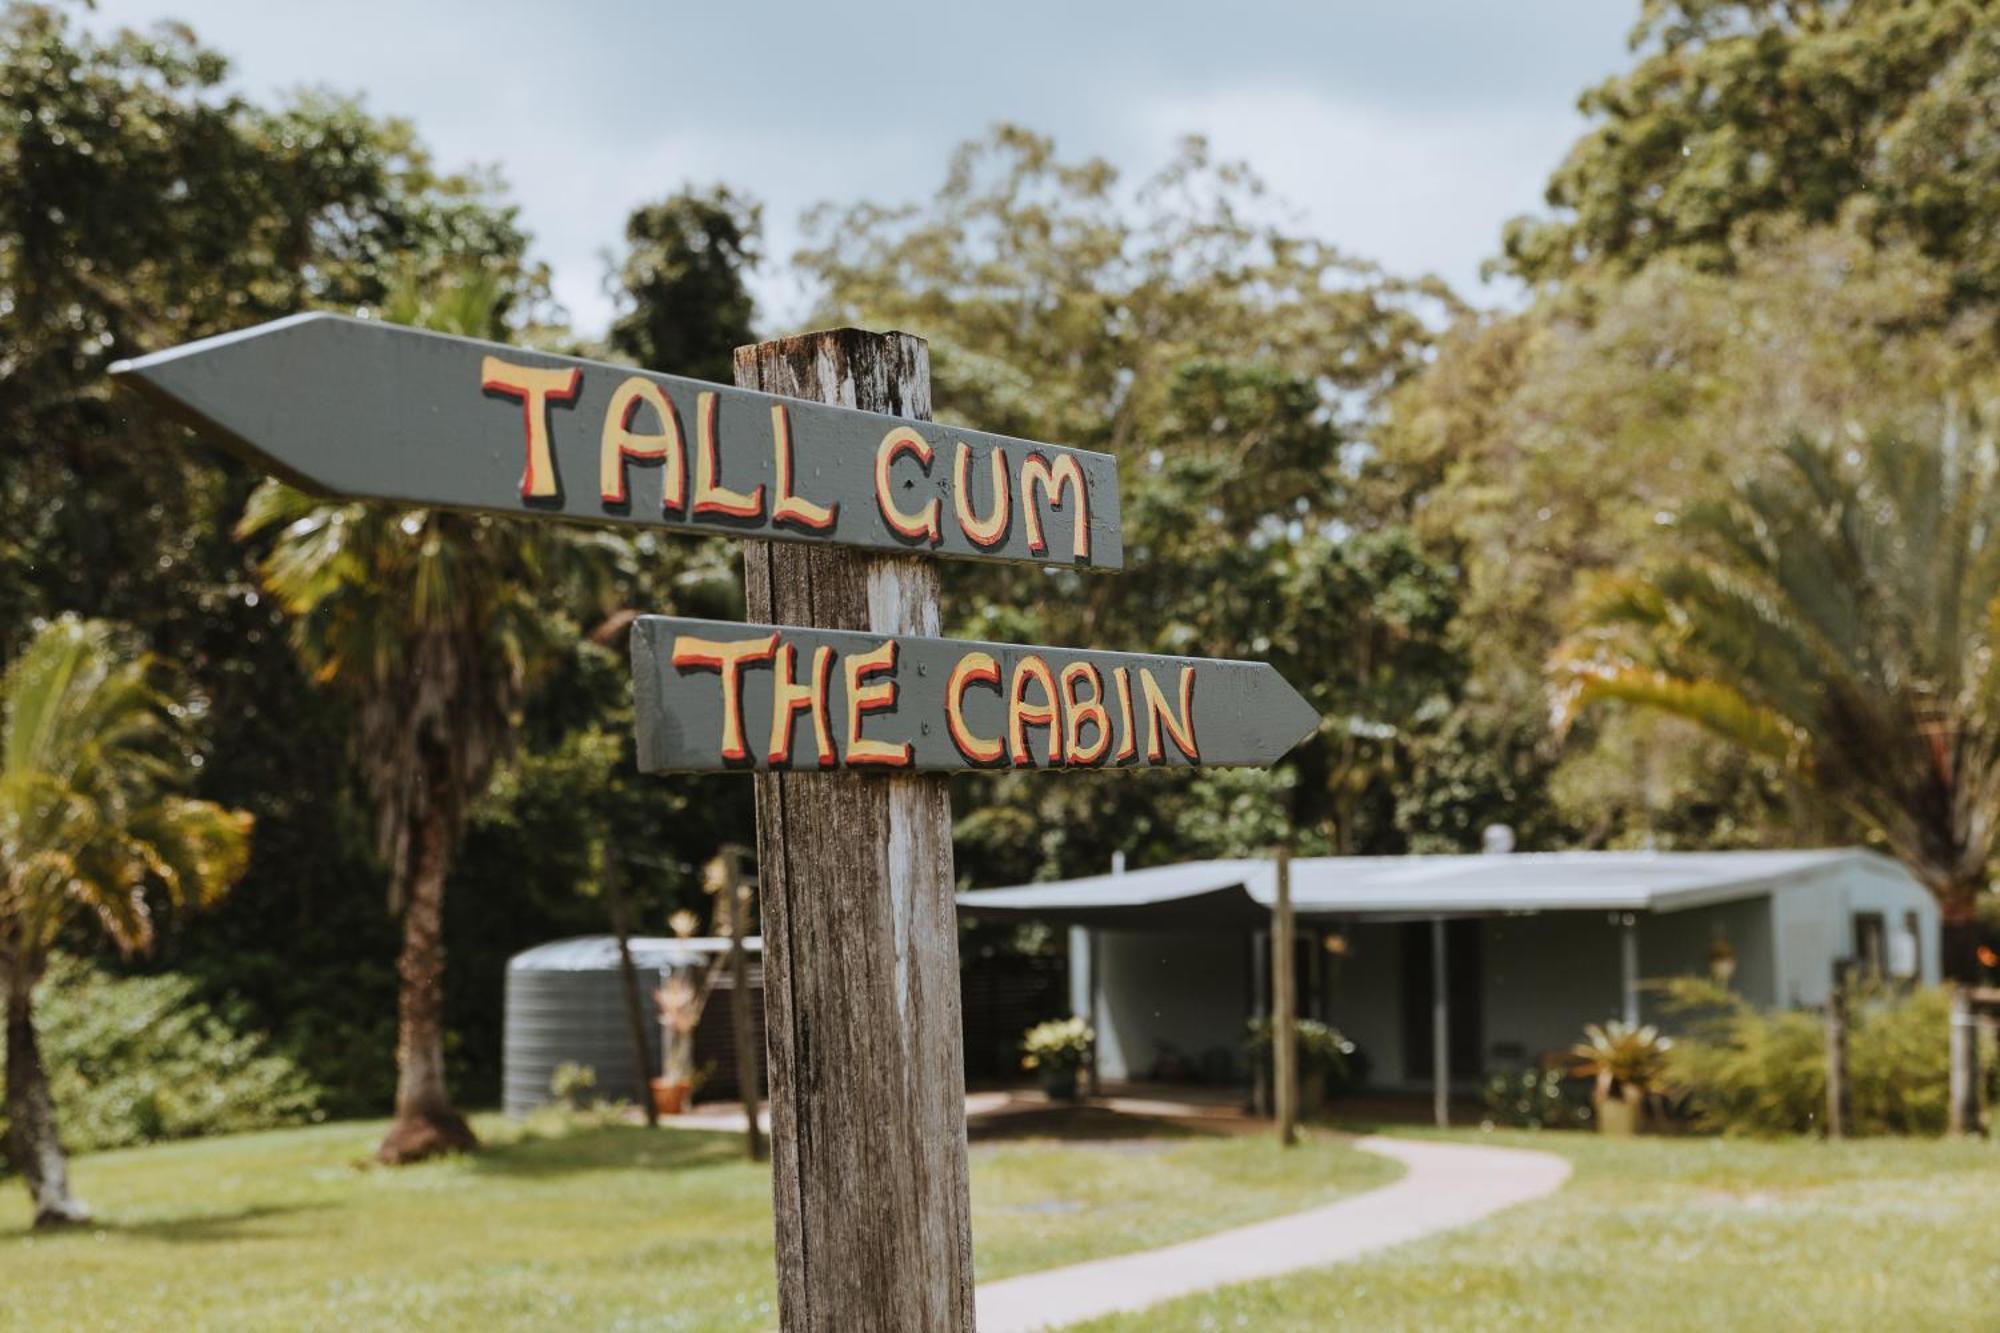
<point x="1839" y="614"/>
<point x="431" y="624"/>
<point x="93" y="745"/>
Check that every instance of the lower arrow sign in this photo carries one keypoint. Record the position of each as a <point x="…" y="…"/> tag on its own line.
<point x="717" y="695"/>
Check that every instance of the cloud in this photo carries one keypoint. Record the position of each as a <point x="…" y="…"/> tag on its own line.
<point x="1415" y="191"/>
<point x="1406" y="132"/>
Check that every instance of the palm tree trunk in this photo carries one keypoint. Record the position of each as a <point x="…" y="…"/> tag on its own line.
<point x="426" y="1123"/>
<point x="33" y="1144"/>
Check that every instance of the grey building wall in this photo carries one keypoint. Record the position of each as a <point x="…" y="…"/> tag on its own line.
<point x="1816" y="923"/>
<point x="1186" y="991"/>
<point x="1544" y="975"/>
<point x="1363" y="988"/>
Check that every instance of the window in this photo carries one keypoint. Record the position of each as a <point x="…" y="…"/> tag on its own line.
<point x="1871" y="945"/>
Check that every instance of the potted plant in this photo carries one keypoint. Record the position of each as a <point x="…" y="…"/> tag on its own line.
<point x="1326" y="1059"/>
<point x="681" y="999"/>
<point x="1627" y="1065"/>
<point x="1056" y="1050"/>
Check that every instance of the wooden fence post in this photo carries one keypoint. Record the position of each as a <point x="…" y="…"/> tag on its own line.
<point x="867" y="1079"/>
<point x="1837" y="1103"/>
<point x="1964" y="1086"/>
<point x="1284" y="1006"/>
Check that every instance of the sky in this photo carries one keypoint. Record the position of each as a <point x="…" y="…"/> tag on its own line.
<point x="1404" y="131"/>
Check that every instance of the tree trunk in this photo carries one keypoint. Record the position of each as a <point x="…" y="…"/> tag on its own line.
<point x="635" y="1005"/>
<point x="426" y="1123"/>
<point x="33" y="1145"/>
<point x="1958" y="933"/>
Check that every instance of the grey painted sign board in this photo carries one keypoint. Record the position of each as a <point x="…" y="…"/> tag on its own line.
<point x="358" y="408"/>
<point x="721" y="695"/>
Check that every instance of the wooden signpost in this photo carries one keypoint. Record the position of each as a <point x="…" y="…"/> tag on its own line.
<point x="375" y="411"/>
<point x="846" y="706"/>
<point x="715" y="695"/>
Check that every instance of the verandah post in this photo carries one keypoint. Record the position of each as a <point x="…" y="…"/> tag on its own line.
<point x="861" y="985"/>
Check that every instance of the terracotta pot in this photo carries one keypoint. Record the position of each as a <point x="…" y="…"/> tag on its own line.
<point x="669" y="1098"/>
<point x="1618" y="1117"/>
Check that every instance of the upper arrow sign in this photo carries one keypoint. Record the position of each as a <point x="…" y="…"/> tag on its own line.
<point x="714" y="694"/>
<point x="376" y="411"/>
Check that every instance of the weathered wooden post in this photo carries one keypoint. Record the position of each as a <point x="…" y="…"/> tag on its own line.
<point x="860" y="934"/>
<point x="1284" y="1004"/>
<point x="1837" y="1095"/>
<point x="1963" y="1091"/>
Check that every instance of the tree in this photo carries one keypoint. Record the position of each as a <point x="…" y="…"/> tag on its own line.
<point x="93" y="746"/>
<point x="1839" y="615"/>
<point x="1741" y="112"/>
<point x="1547" y="445"/>
<point x="431" y="625"/>
<point x="1238" y="369"/>
<point x="144" y="203"/>
<point x="682" y="305"/>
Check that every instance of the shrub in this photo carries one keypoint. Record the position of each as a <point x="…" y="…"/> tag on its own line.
<point x="1323" y="1050"/>
<point x="138" y="1059"/>
<point x="1745" y="1071"/>
<point x="1056" y="1047"/>
<point x="1899" y="1061"/>
<point x="1537" y="1099"/>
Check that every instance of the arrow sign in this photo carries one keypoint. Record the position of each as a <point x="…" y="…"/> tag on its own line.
<point x="357" y="408"/>
<point x="716" y="694"/>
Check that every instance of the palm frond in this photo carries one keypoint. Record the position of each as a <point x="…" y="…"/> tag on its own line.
<point x="94" y="747"/>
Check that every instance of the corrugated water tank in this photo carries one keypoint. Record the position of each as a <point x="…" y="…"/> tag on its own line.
<point x="565" y="1004"/>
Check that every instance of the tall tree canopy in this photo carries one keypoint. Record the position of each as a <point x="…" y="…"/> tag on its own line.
<point x="144" y="203"/>
<point x="683" y="307"/>
<point x="1742" y="112"/>
<point x="1238" y="370"/>
<point x="1772" y="225"/>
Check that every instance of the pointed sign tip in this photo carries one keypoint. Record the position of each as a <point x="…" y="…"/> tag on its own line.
<point x="1300" y="716"/>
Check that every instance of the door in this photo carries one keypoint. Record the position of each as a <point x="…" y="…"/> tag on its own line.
<point x="1464" y="978"/>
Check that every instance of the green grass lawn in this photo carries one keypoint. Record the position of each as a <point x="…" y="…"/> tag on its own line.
<point x="618" y="1227"/>
<point x="1676" y="1234"/>
<point x="606" y="1227"/>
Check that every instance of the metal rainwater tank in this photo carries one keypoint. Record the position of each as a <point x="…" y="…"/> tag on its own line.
<point x="565" y="1004"/>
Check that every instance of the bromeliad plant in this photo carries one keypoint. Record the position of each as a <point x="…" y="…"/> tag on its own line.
<point x="1056" y="1050"/>
<point x="1627" y="1063"/>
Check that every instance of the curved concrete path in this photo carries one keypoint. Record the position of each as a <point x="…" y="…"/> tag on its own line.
<point x="1444" y="1185"/>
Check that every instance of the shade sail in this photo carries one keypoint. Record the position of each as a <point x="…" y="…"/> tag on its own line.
<point x="1183" y="897"/>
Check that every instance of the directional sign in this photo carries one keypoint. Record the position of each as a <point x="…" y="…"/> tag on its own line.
<point x="358" y="408"/>
<point x="716" y="694"/>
